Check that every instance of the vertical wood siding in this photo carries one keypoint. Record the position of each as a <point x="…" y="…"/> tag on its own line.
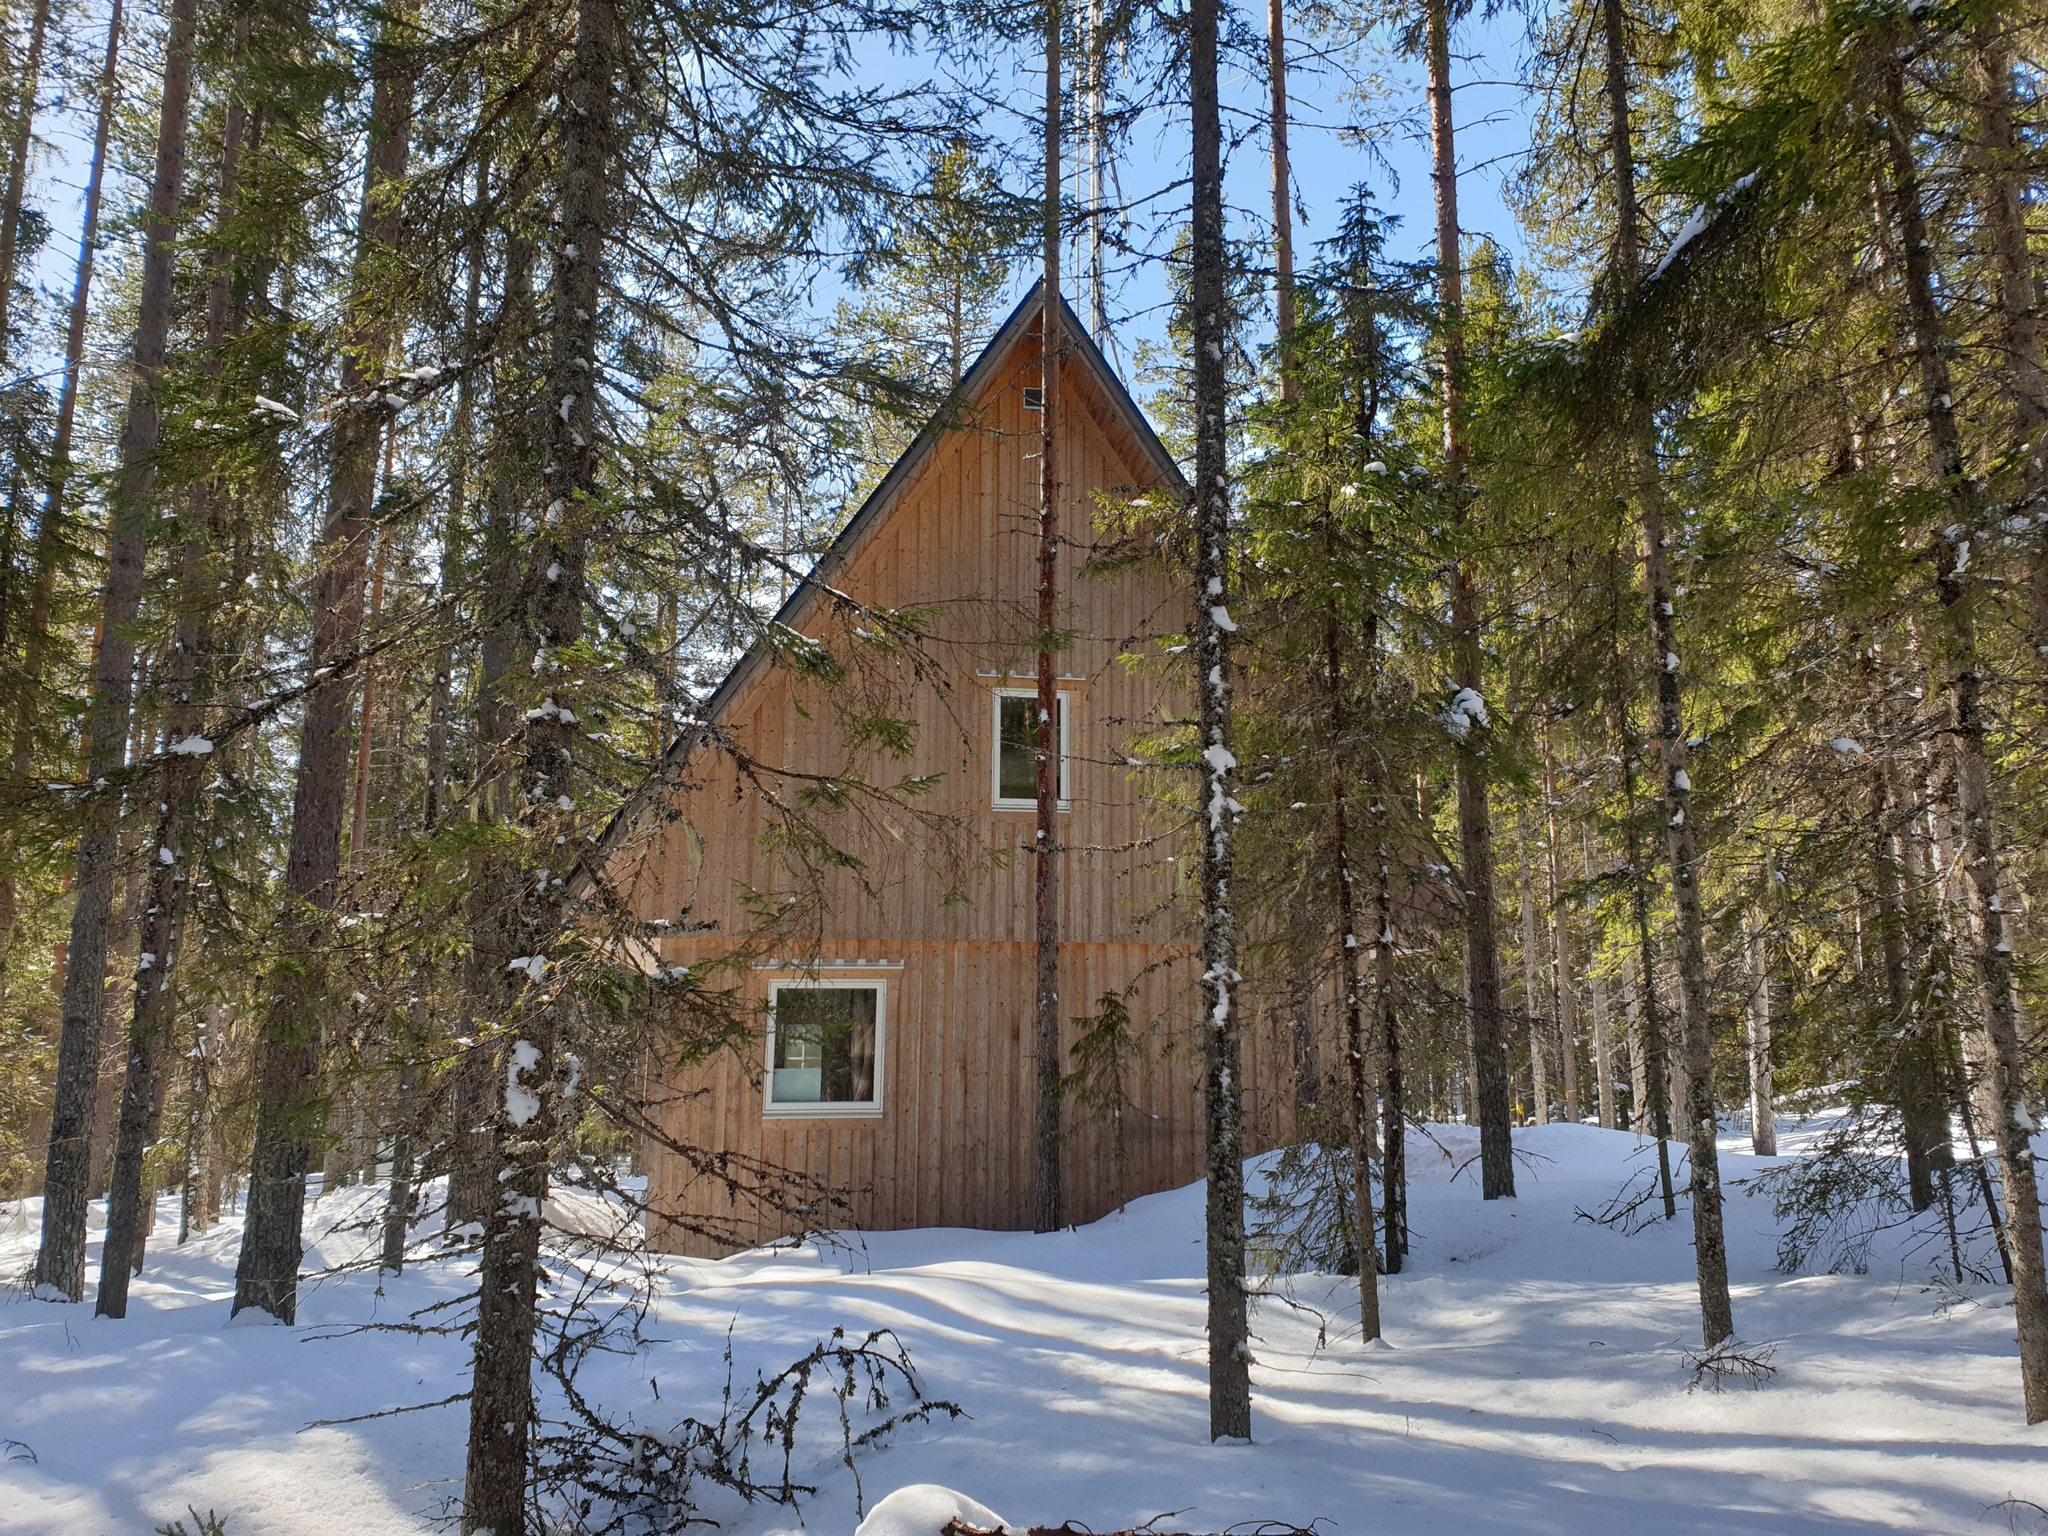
<point x="941" y="899"/>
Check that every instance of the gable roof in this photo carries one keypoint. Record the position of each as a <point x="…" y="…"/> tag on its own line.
<point x="881" y="501"/>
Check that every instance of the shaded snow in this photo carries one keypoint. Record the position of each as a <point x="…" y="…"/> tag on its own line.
<point x="1532" y="1380"/>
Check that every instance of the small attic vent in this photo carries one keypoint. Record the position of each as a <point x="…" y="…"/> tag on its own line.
<point x="1034" y="398"/>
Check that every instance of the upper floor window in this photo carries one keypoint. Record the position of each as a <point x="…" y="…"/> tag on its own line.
<point x="1016" y="755"/>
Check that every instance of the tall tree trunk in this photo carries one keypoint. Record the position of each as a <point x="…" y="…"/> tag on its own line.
<point x="1357" y="1050"/>
<point x="366" y="711"/>
<point x="1596" y="995"/>
<point x="1386" y="1009"/>
<point x="153" y="1015"/>
<point x="154" y="1005"/>
<point x="1486" y="1030"/>
<point x="48" y="554"/>
<point x="2003" y="171"/>
<point x="1563" y="1003"/>
<point x="1763" y="1115"/>
<point x="2004" y="1082"/>
<point x="501" y="1388"/>
<point x="60" y="1261"/>
<point x="1696" y="1020"/>
<point x="1925" y="1078"/>
<point x="472" y="1168"/>
<point x="460" y="428"/>
<point x="1230" y="1402"/>
<point x="21" y="132"/>
<point x="1097" y="130"/>
<point x="1045" y="881"/>
<point x="1539" y="1066"/>
<point x="1283" y="200"/>
<point x="1655" y="1089"/>
<point x="289" y="1110"/>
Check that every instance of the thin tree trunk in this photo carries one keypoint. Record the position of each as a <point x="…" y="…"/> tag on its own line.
<point x="1926" y="1071"/>
<point x="501" y="1387"/>
<point x="155" y="994"/>
<point x="399" y="1208"/>
<point x="1763" y="1115"/>
<point x="1696" y="1032"/>
<point x="1563" y="1002"/>
<point x="366" y="715"/>
<point x="48" y="553"/>
<point x="1045" y="882"/>
<point x="1230" y="1403"/>
<point x="472" y="1168"/>
<point x="2004" y="1058"/>
<point x="2003" y="170"/>
<point x="1356" y="1047"/>
<point x="1596" y="994"/>
<point x="288" y="1111"/>
<point x="60" y="1260"/>
<point x="1393" y="1099"/>
<point x="1539" y="1067"/>
<point x="1638" y="1060"/>
<point x="130" y="1210"/>
<point x="21" y="134"/>
<point x="1485" y="1027"/>
<point x="1283" y="201"/>
<point x="1656" y="1055"/>
<point x="1097" y="65"/>
<point x="441" y="701"/>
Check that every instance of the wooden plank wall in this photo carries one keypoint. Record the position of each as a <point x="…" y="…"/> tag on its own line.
<point x="953" y="1145"/>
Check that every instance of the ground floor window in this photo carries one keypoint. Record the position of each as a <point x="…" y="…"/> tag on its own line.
<point x="824" y="1048"/>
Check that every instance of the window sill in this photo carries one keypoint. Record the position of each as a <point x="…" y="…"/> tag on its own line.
<point x="821" y="1112"/>
<point x="1027" y="806"/>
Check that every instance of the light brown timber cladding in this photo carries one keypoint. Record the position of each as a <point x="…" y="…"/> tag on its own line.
<point x="940" y="915"/>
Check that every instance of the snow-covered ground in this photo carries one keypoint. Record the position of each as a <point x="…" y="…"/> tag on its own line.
<point x="1532" y="1380"/>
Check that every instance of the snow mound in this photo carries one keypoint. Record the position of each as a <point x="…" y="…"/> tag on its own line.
<point x="925" y="1509"/>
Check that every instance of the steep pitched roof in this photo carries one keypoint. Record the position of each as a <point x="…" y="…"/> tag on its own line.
<point x="875" y="510"/>
<point x="882" y="500"/>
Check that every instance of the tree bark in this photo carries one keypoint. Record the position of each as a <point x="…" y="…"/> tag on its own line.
<point x="1763" y="1115"/>
<point x="366" y="711"/>
<point x="21" y="134"/>
<point x="1563" y="1003"/>
<point x="2003" y="171"/>
<point x="1045" y="873"/>
<point x="1539" y="1068"/>
<point x="1486" y="1032"/>
<point x="441" y="699"/>
<point x="1097" y="129"/>
<point x="1230" y="1404"/>
<point x="1393" y="1098"/>
<point x="289" y="1112"/>
<point x="1596" y="994"/>
<point x="1283" y="201"/>
<point x="60" y="1260"/>
<point x="2004" y="1061"/>
<point x="1696" y="1031"/>
<point x="1356" y="1047"/>
<point x="472" y="1166"/>
<point x="169" y="888"/>
<point x="48" y="554"/>
<point x="501" y="1388"/>
<point x="1696" y="1021"/>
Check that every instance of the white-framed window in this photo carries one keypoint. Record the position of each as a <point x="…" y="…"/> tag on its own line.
<point x="825" y="1045"/>
<point x="1014" y="722"/>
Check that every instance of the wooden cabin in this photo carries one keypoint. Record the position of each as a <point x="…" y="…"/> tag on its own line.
<point x="893" y="1058"/>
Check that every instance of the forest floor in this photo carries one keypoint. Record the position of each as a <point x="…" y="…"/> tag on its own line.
<point x="1533" y="1379"/>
